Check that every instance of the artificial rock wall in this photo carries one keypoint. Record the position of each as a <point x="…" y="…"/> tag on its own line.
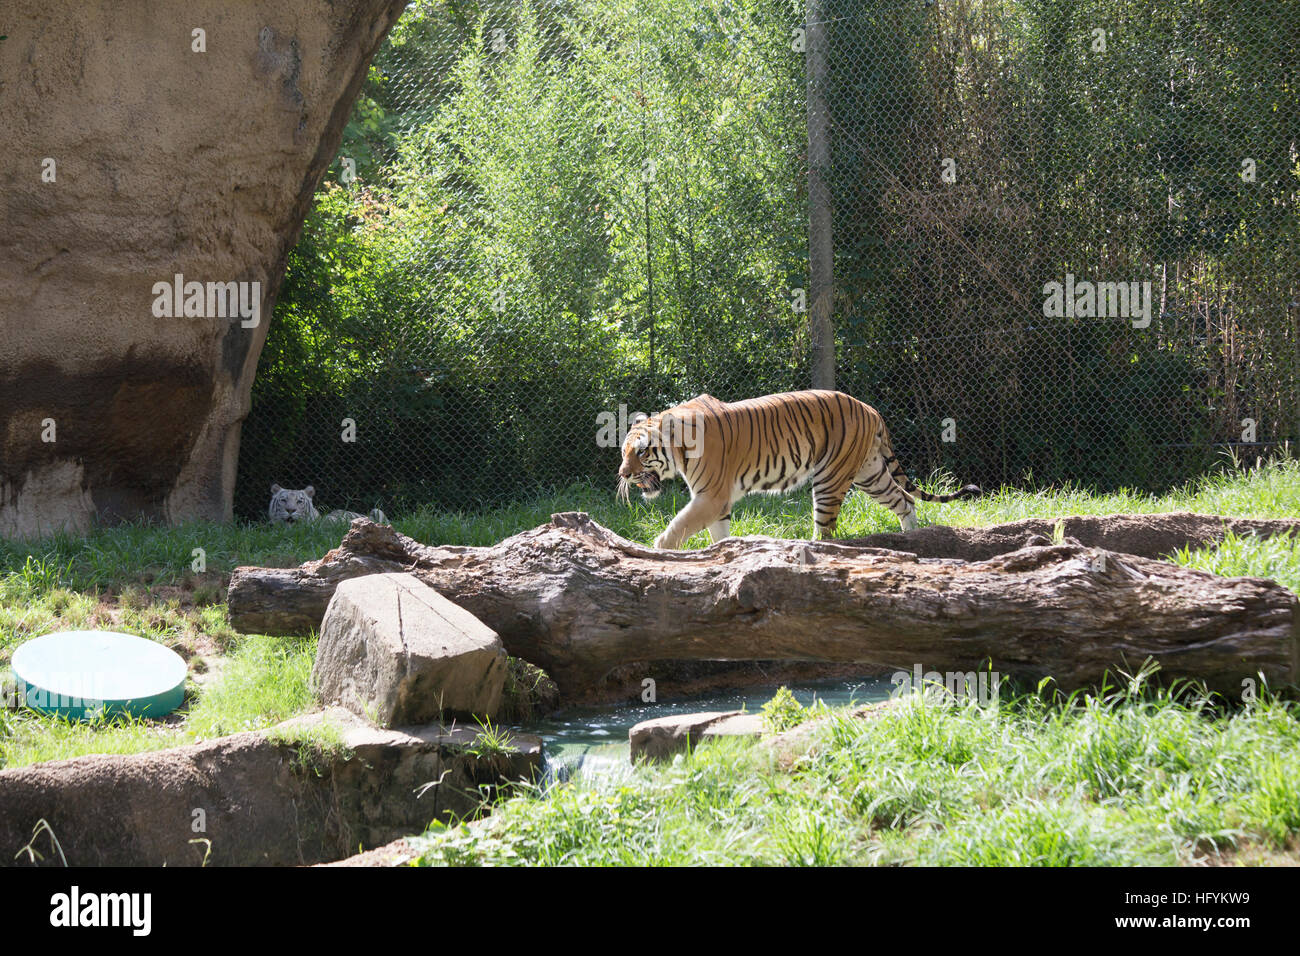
<point x="132" y="150"/>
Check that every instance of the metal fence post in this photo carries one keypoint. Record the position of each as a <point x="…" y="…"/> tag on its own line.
<point x="821" y="250"/>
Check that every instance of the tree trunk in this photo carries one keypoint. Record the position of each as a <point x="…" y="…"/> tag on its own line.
<point x="821" y="250"/>
<point x="578" y="600"/>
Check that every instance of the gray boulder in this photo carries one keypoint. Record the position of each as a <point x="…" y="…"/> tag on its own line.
<point x="396" y="651"/>
<point x="664" y="736"/>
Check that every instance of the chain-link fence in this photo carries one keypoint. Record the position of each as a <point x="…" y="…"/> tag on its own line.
<point x="1064" y="240"/>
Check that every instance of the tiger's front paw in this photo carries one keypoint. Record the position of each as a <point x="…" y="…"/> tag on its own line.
<point x="663" y="542"/>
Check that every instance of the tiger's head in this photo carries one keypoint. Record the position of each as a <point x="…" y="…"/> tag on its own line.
<point x="648" y="457"/>
<point x="290" y="507"/>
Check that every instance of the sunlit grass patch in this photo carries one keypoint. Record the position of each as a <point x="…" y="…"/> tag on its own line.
<point x="32" y="738"/>
<point x="146" y="555"/>
<point x="1137" y="776"/>
<point x="1248" y="556"/>
<point x="264" y="681"/>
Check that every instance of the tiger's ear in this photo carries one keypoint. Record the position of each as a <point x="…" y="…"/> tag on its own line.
<point x="638" y="418"/>
<point x="276" y="489"/>
<point x="309" y="491"/>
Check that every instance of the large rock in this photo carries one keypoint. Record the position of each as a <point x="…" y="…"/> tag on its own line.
<point x="662" y="737"/>
<point x="166" y="161"/>
<point x="310" y="790"/>
<point x="790" y="745"/>
<point x="395" y="650"/>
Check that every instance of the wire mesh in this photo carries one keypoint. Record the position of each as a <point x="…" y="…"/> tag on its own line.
<point x="1064" y="238"/>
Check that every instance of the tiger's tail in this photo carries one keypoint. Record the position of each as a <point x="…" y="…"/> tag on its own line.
<point x="901" y="476"/>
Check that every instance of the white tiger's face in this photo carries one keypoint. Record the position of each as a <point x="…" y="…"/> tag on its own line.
<point x="290" y="507"/>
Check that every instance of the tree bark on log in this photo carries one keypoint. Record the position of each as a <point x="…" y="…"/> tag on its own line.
<point x="578" y="600"/>
<point x="1145" y="535"/>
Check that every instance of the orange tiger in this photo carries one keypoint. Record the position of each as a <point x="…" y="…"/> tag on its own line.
<point x="725" y="451"/>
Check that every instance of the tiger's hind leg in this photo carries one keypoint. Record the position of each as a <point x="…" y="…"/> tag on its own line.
<point x="877" y="481"/>
<point x="827" y="500"/>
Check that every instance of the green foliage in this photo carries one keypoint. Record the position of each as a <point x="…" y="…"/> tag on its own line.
<point x="513" y="267"/>
<point x="564" y="207"/>
<point x="42" y="826"/>
<point x="491" y="741"/>
<point x="265" y="680"/>
<point x="782" y="712"/>
<point x="1120" y="165"/>
<point x="1248" y="556"/>
<point x="37" y="577"/>
<point x="315" y="748"/>
<point x="529" y="692"/>
<point x="33" y="738"/>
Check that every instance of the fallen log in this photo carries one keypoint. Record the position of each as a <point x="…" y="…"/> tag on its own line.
<point x="578" y="600"/>
<point x="1146" y="535"/>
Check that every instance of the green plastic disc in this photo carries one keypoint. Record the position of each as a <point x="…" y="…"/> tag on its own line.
<point x="88" y="674"/>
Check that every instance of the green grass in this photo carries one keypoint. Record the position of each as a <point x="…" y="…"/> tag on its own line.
<point x="316" y="747"/>
<point x="144" y="555"/>
<point x="783" y="712"/>
<point x="262" y="682"/>
<point x="1272" y="491"/>
<point x="1131" y="778"/>
<point x="141" y="556"/>
<point x="30" y="738"/>
<point x="1244" y="555"/>
<point x="1114" y="783"/>
<point x="491" y="741"/>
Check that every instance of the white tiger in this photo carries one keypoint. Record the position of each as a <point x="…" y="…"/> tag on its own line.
<point x="290" y="507"/>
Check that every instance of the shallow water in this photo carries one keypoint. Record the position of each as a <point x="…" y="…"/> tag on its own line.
<point x="594" y="740"/>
